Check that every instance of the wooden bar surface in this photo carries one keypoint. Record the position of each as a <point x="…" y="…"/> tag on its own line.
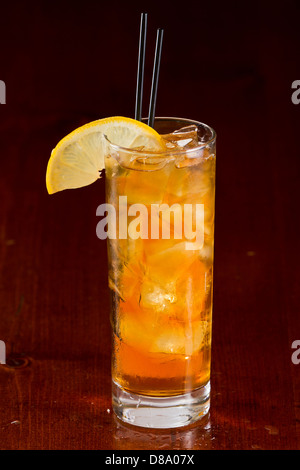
<point x="231" y="66"/>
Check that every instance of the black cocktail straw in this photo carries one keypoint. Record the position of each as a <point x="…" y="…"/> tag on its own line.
<point x="153" y="96"/>
<point x="140" y="71"/>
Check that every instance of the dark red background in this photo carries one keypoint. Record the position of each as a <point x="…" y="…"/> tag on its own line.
<point x="230" y="65"/>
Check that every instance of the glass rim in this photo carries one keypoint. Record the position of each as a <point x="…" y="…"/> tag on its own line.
<point x="144" y="153"/>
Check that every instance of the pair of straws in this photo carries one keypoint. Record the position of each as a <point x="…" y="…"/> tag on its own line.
<point x="140" y="72"/>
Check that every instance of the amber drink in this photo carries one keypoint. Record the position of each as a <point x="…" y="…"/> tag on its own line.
<point x="160" y="277"/>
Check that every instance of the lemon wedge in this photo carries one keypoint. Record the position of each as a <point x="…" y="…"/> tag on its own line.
<point x="78" y="158"/>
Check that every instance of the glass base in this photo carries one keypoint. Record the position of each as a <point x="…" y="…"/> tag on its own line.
<point x="160" y="412"/>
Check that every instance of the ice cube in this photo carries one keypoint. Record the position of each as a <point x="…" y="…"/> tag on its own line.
<point x="125" y="284"/>
<point x="155" y="334"/>
<point x="126" y="269"/>
<point x="186" y="137"/>
<point x="167" y="265"/>
<point x="191" y="293"/>
<point x="187" y="185"/>
<point x="177" y="339"/>
<point x="157" y="297"/>
<point x="147" y="188"/>
<point x="141" y="163"/>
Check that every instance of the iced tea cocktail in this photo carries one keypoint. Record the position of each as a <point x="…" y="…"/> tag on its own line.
<point x="161" y="275"/>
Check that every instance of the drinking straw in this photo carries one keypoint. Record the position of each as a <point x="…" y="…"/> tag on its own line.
<point x="153" y="96"/>
<point x="140" y="71"/>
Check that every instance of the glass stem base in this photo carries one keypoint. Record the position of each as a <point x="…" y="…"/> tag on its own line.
<point x="160" y="412"/>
